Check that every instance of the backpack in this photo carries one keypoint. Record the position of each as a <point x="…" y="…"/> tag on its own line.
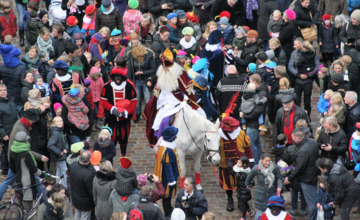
<point x="56" y="14"/>
<point x="136" y="212"/>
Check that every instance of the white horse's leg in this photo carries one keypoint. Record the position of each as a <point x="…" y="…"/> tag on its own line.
<point x="182" y="156"/>
<point x="197" y="167"/>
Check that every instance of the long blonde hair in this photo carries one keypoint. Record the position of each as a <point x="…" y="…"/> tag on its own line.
<point x="207" y="29"/>
<point x="307" y="46"/>
<point x="58" y="202"/>
<point x="139" y="52"/>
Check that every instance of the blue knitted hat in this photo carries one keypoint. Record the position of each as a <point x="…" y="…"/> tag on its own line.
<point x="171" y="15"/>
<point x="252" y="67"/>
<point x="271" y="65"/>
<point x="276" y="201"/>
<point x="200" y="64"/>
<point x="59" y="64"/>
<point x="115" y="32"/>
<point x="169" y="133"/>
<point x="74" y="92"/>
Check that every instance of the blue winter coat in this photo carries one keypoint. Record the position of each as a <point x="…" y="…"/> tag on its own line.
<point x="323" y="105"/>
<point x="72" y="31"/>
<point x="324" y="198"/>
<point x="352" y="5"/>
<point x="355" y="152"/>
<point x="10" y="55"/>
<point x="173" y="34"/>
<point x="228" y="33"/>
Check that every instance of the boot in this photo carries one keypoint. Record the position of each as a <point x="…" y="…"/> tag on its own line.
<point x="21" y="33"/>
<point x="230" y="205"/>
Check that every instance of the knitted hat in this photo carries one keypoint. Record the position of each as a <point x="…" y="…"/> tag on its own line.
<point x="270" y="65"/>
<point x="215" y="37"/>
<point x="178" y="214"/>
<point x="326" y="17"/>
<point x="117" y="71"/>
<point x="200" y="82"/>
<point x="181" y="53"/>
<point x="286" y="99"/>
<point x="133" y="4"/>
<point x="90" y="9"/>
<point x="229" y="124"/>
<point x="290" y="14"/>
<point x="171" y="15"/>
<point x="337" y="78"/>
<point x="196" y="58"/>
<point x="142" y="180"/>
<point x="38" y="76"/>
<point x="167" y="58"/>
<point x="181" y="14"/>
<point x="32" y="114"/>
<point x="108" y="128"/>
<point x="276" y="201"/>
<point x="96" y="38"/>
<point x="74" y="92"/>
<point x="270" y="54"/>
<point x="224" y="20"/>
<point x="358" y="125"/>
<point x="261" y="56"/>
<point x="356" y="15"/>
<point x="124" y="42"/>
<point x="75" y="148"/>
<point x="169" y="133"/>
<point x="59" y="64"/>
<point x="225" y="14"/>
<point x="192" y="17"/>
<point x="95" y="158"/>
<point x="106" y="3"/>
<point x="115" y="32"/>
<point x="125" y="162"/>
<point x="42" y="13"/>
<point x="253" y="34"/>
<point x="71" y="21"/>
<point x="56" y="106"/>
<point x="252" y="67"/>
<point x="188" y="31"/>
<point x="239" y="30"/>
<point x="21" y="136"/>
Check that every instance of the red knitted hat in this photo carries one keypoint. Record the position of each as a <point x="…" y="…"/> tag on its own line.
<point x="229" y="124"/>
<point x="125" y="162"/>
<point x="117" y="71"/>
<point x="71" y="21"/>
<point x="325" y="17"/>
<point x="90" y="9"/>
<point x="225" y="14"/>
<point x="358" y="125"/>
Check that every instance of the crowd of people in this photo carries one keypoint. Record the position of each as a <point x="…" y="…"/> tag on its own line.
<point x="87" y="68"/>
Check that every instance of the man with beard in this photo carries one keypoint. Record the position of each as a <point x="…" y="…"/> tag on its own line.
<point x="118" y="98"/>
<point x="276" y="209"/>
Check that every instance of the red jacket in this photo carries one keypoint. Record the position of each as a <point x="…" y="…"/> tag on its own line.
<point x="9" y="26"/>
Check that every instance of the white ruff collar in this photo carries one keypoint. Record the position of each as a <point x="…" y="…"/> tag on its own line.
<point x="213" y="47"/>
<point x="282" y="215"/>
<point x="167" y="144"/>
<point x="118" y="87"/>
<point x="237" y="169"/>
<point x="232" y="135"/>
<point x="63" y="78"/>
<point x="355" y="136"/>
<point x="186" y="44"/>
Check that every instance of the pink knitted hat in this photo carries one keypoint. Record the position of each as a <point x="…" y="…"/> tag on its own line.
<point x="56" y="106"/>
<point x="290" y="14"/>
<point x="142" y="180"/>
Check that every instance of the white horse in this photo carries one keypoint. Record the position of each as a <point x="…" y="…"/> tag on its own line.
<point x="196" y="136"/>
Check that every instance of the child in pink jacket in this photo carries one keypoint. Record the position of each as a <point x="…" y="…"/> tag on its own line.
<point x="97" y="81"/>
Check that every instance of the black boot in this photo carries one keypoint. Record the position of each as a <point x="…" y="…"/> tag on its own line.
<point x="230" y="205"/>
<point x="21" y="33"/>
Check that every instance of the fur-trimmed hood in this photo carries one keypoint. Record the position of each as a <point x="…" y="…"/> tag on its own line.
<point x="104" y="176"/>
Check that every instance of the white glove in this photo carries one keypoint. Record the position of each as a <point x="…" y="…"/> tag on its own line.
<point x="126" y="114"/>
<point x="172" y="183"/>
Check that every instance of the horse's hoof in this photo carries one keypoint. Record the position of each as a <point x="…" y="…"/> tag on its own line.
<point x="230" y="205"/>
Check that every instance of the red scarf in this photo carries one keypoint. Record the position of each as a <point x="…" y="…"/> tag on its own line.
<point x="145" y="31"/>
<point x="25" y="122"/>
<point x="289" y="123"/>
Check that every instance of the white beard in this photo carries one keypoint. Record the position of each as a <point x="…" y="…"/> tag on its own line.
<point x="168" y="80"/>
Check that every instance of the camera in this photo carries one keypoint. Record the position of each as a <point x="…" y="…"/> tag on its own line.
<point x="150" y="178"/>
<point x="170" y="5"/>
<point x="186" y="202"/>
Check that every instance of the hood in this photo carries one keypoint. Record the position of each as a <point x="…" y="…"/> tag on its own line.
<point x="157" y="38"/>
<point x="337" y="169"/>
<point x="124" y="173"/>
<point x="9" y="98"/>
<point x="308" y="54"/>
<point x="306" y="130"/>
<point x="78" y="36"/>
<point x="248" y="94"/>
<point x="6" y="48"/>
<point x="105" y="177"/>
<point x="27" y="84"/>
<point x="290" y="91"/>
<point x="331" y="71"/>
<point x="56" y="129"/>
<point x="262" y="87"/>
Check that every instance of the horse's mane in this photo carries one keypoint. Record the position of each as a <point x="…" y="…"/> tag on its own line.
<point x="194" y="118"/>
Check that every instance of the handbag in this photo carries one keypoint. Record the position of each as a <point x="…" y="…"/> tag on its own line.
<point x="310" y="33"/>
<point x="320" y="215"/>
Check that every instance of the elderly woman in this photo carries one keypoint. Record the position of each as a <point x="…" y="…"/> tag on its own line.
<point x="141" y="69"/>
<point x="269" y="182"/>
<point x="280" y="55"/>
<point x="341" y="184"/>
<point x="332" y="140"/>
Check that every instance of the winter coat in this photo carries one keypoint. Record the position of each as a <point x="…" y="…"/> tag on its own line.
<point x="352" y="5"/>
<point x="249" y="100"/>
<point x="34" y="25"/>
<point x="156" y="10"/>
<point x="111" y="20"/>
<point x="323" y="105"/>
<point x="239" y="42"/>
<point x="10" y="55"/>
<point x="149" y="209"/>
<point x="237" y="11"/>
<point x="305" y="169"/>
<point x="352" y="117"/>
<point x="25" y="91"/>
<point x="126" y="181"/>
<point x="349" y="31"/>
<point x="95" y="85"/>
<point x="343" y="186"/>
<point x="197" y="201"/>
<point x="130" y="20"/>
<point x="77" y="111"/>
<point x="354" y="77"/>
<point x="57" y="144"/>
<point x="13" y="79"/>
<point x="288" y="33"/>
<point x="8" y="115"/>
<point x="119" y="205"/>
<point x="158" y="47"/>
<point x="243" y="193"/>
<point x="338" y="141"/>
<point x="59" y="45"/>
<point x="278" y="103"/>
<point x="44" y="69"/>
<point x="306" y="63"/>
<point x="107" y="149"/>
<point x="173" y="33"/>
<point x="39" y="133"/>
<point x="50" y="211"/>
<point x="340" y="116"/>
<point x="271" y="96"/>
<point x="293" y="64"/>
<point x="228" y="33"/>
<point x="267" y="7"/>
<point x="324" y="198"/>
<point x="268" y="78"/>
<point x="280" y="55"/>
<point x="8" y="25"/>
<point x="148" y="39"/>
<point x="274" y="26"/>
<point x="187" y="47"/>
<point x="279" y="120"/>
<point x="203" y="15"/>
<point x="72" y="30"/>
<point x="303" y="18"/>
<point x="81" y="181"/>
<point x="103" y="184"/>
<point x="148" y="67"/>
<point x="329" y="38"/>
<point x="247" y="56"/>
<point x="263" y="192"/>
<point x="334" y="7"/>
<point x="42" y="208"/>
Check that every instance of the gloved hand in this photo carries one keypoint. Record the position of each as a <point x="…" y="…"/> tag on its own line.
<point x="124" y="114"/>
<point x="44" y="174"/>
<point x="114" y="111"/>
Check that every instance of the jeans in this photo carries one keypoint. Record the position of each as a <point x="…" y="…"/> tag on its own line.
<point x="294" y="200"/>
<point x="253" y="134"/>
<point x="260" y="120"/>
<point x="61" y="169"/>
<point x="74" y="139"/>
<point x="258" y="214"/>
<point x="10" y="179"/>
<point x="82" y="215"/>
<point x="4" y="159"/>
<point x="307" y="88"/>
<point x="142" y="93"/>
<point x="21" y="10"/>
<point x="310" y="197"/>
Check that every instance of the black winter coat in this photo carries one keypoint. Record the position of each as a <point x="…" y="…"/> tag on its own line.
<point x="343" y="186"/>
<point x="108" y="152"/>
<point x="243" y="193"/>
<point x="306" y="62"/>
<point x="8" y="116"/>
<point x="81" y="181"/>
<point x="150" y="210"/>
<point x="26" y="87"/>
<point x="252" y="119"/>
<point x="305" y="169"/>
<point x="280" y="56"/>
<point x="352" y="117"/>
<point x="156" y="10"/>
<point x="158" y="47"/>
<point x="288" y="33"/>
<point x="57" y="143"/>
<point x="50" y="214"/>
<point x="198" y="204"/>
<point x="274" y="90"/>
<point x="354" y="77"/>
<point x="347" y="32"/>
<point x="148" y="67"/>
<point x="59" y="45"/>
<point x="39" y="134"/>
<point x="112" y="20"/>
<point x="247" y="56"/>
<point x="237" y="11"/>
<point x="13" y="79"/>
<point x="267" y="7"/>
<point x="329" y="38"/>
<point x="338" y="141"/>
<point x="354" y="53"/>
<point x="278" y="103"/>
<point x="303" y="18"/>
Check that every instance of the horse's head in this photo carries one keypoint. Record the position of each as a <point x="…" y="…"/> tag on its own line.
<point x="212" y="142"/>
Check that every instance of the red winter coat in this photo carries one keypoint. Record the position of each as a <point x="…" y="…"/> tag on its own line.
<point x="8" y="27"/>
